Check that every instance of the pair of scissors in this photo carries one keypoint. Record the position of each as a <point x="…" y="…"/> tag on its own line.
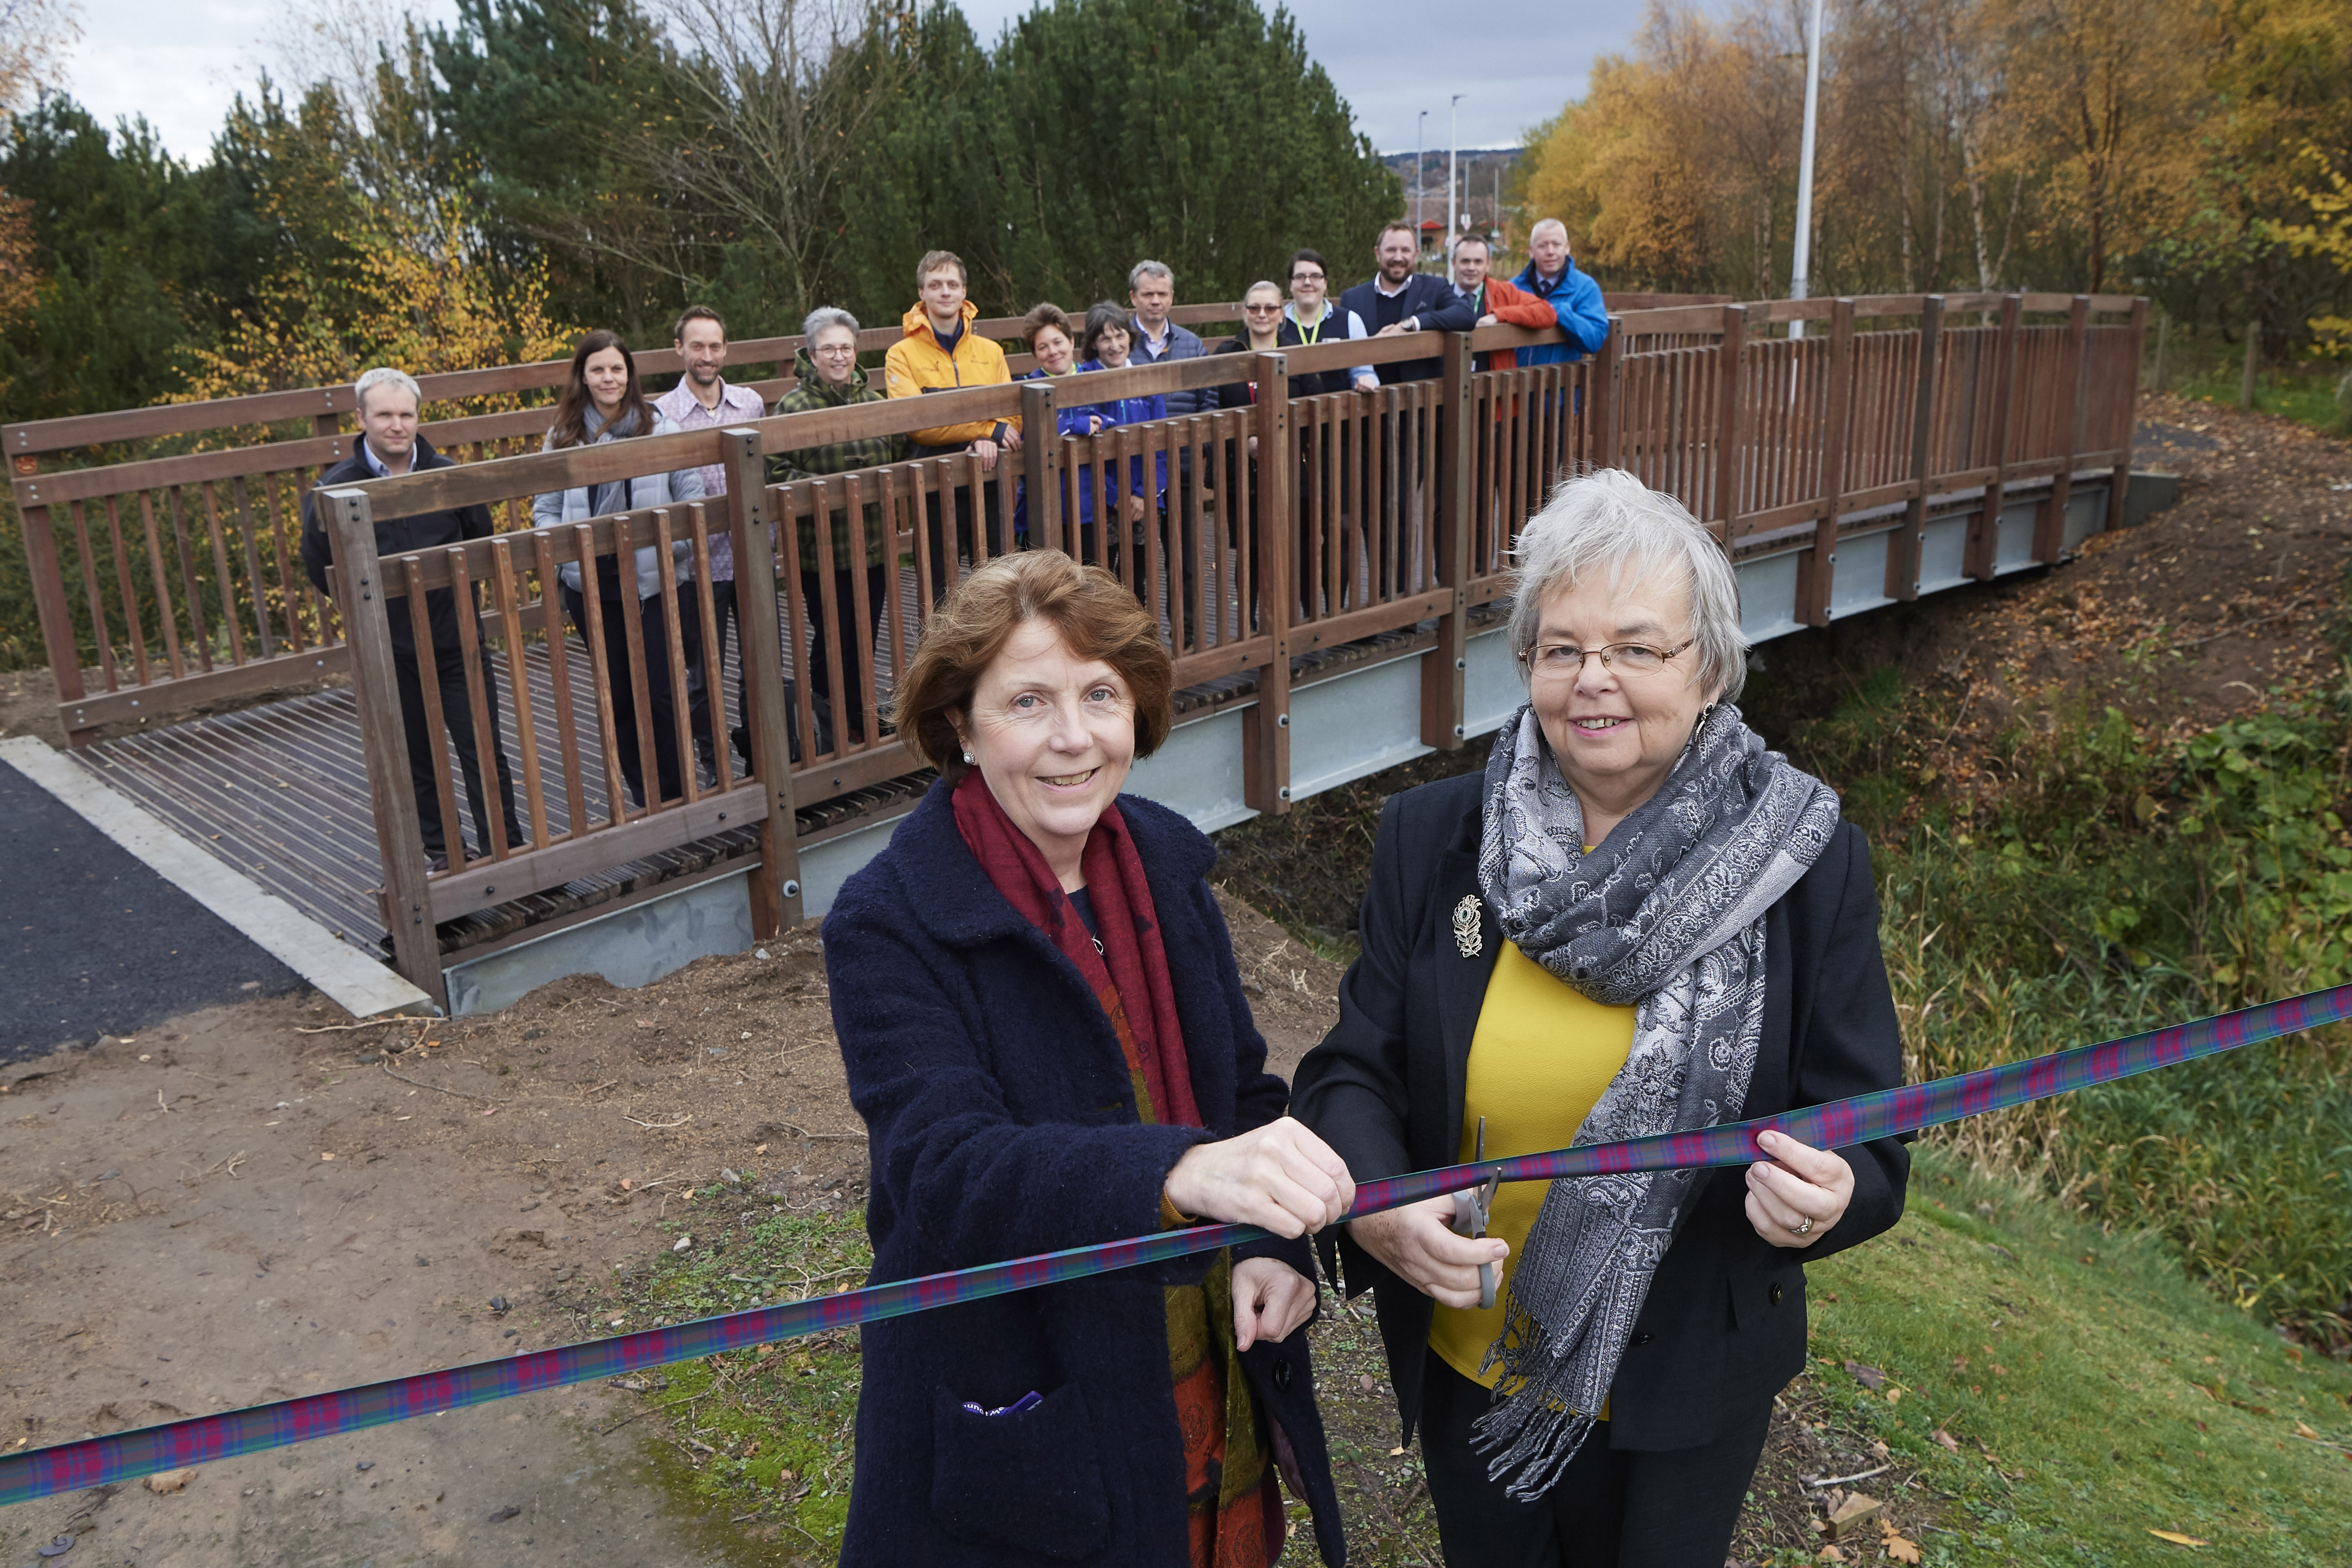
<point x="1470" y="1210"/>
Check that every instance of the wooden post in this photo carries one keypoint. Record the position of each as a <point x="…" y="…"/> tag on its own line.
<point x="1041" y="463"/>
<point x="1443" y="668"/>
<point x="1903" y="560"/>
<point x="1605" y="384"/>
<point x="49" y="598"/>
<point x="367" y="633"/>
<point x="775" y="886"/>
<point x="1984" y="532"/>
<point x="2049" y="532"/>
<point x="1265" y="742"/>
<point x="2119" y="486"/>
<point x="2253" y="363"/>
<point x="1724" y="504"/>
<point x="1819" y="570"/>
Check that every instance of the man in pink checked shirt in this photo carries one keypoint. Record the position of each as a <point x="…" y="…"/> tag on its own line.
<point x="701" y="400"/>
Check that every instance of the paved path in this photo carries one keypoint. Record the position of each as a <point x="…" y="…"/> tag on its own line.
<point x="93" y="942"/>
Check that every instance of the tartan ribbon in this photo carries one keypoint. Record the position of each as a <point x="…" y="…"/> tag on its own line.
<point x="126" y="1455"/>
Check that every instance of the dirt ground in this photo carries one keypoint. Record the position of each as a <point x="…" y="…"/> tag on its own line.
<point x="228" y="1209"/>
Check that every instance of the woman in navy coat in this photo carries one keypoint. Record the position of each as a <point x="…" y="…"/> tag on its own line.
<point x="1044" y="1029"/>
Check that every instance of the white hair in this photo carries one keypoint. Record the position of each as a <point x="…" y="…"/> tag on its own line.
<point x="1543" y="224"/>
<point x="385" y="376"/>
<point x="1143" y="269"/>
<point x="825" y="316"/>
<point x="1605" y="522"/>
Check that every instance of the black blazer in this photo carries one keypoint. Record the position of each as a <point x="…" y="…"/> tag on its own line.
<point x="1426" y="297"/>
<point x="1724" y="1326"/>
<point x="398" y="536"/>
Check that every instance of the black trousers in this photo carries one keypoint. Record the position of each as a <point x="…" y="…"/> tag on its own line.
<point x="663" y="695"/>
<point x="822" y="647"/>
<point x="1609" y="1508"/>
<point x="706" y="677"/>
<point x="457" y="718"/>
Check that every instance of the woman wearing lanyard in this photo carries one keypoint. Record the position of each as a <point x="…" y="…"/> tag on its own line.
<point x="1310" y="320"/>
<point x="1261" y="333"/>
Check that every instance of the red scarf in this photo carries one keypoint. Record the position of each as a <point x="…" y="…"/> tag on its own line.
<point x="1132" y="964"/>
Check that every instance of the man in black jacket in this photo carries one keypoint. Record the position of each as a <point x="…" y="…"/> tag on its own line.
<point x="390" y="446"/>
<point x="1397" y="299"/>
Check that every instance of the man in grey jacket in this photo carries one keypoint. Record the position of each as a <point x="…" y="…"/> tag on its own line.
<point x="1151" y="289"/>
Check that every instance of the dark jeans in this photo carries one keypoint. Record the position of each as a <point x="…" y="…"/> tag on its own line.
<point x="1610" y="1508"/>
<point x="457" y="718"/>
<point x="820" y="664"/>
<point x="661" y="693"/>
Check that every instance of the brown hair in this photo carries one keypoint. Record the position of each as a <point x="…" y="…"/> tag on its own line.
<point x="696" y="313"/>
<point x="570" y="428"/>
<point x="1096" y="615"/>
<point x="935" y="259"/>
<point x="1102" y="316"/>
<point x="1040" y="317"/>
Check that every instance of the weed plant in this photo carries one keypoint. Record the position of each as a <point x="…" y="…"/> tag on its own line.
<point x="2099" y="884"/>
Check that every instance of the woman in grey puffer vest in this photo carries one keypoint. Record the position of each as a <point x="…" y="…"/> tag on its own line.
<point x="602" y="401"/>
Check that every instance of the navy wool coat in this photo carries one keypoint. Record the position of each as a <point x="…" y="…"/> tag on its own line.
<point x="1002" y="1124"/>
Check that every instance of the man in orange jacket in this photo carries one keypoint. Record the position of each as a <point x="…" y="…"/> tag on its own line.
<point x="1492" y="300"/>
<point x="942" y="350"/>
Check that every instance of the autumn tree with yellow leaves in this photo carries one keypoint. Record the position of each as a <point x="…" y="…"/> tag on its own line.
<point x="2109" y="145"/>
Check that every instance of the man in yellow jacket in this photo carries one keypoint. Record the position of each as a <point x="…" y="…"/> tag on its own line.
<point x="942" y="350"/>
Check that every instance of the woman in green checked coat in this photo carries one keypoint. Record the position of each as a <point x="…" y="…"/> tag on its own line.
<point x="826" y="365"/>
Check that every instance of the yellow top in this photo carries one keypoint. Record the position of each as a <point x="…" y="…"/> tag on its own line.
<point x="1542" y="1054"/>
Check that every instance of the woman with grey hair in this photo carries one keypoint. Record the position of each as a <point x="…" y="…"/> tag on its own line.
<point x="826" y="364"/>
<point x="1637" y="921"/>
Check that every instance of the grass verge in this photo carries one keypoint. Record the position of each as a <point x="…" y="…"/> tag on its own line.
<point x="2049" y="1392"/>
<point x="764" y="1434"/>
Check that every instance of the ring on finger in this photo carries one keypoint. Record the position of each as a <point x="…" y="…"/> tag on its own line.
<point x="1804" y="1229"/>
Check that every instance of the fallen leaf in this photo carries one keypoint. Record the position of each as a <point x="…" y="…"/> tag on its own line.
<point x="499" y="1515"/>
<point x="170" y="1481"/>
<point x="760" y="1150"/>
<point x="627" y="1184"/>
<point x="1832" y="1554"/>
<point x="2302" y="1431"/>
<point x="1895" y="1396"/>
<point x="2178" y="1538"/>
<point x="1868" y="1376"/>
<point x="1950" y="1443"/>
<point x="1394" y="1452"/>
<point x="1902" y="1550"/>
<point x="326" y="1156"/>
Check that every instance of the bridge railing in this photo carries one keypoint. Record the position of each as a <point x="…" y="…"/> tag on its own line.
<point x="167" y="579"/>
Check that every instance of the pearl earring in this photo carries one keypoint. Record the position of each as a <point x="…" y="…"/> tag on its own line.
<point x="967" y="759"/>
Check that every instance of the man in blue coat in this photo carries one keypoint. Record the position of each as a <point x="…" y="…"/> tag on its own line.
<point x="1551" y="276"/>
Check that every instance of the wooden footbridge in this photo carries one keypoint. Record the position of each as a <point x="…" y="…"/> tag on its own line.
<point x="1330" y="572"/>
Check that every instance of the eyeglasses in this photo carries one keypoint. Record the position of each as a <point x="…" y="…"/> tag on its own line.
<point x="1305" y="277"/>
<point x="837" y="351"/>
<point x="1564" y="659"/>
<point x="1257" y="310"/>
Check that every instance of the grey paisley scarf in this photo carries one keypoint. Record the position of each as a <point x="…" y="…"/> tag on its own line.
<point x="1667" y="917"/>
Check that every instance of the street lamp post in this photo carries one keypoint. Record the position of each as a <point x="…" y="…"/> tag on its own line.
<point x="1420" y="177"/>
<point x="1453" y="121"/>
<point x="1801" y="265"/>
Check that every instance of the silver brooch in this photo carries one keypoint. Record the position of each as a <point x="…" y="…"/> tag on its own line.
<point x="1467" y="936"/>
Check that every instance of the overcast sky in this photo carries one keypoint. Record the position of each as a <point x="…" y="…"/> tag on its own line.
<point x="179" y="62"/>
